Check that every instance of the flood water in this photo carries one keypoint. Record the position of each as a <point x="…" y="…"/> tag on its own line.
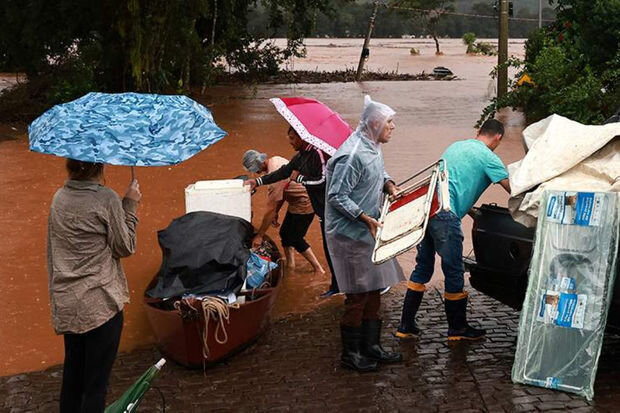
<point x="430" y="116"/>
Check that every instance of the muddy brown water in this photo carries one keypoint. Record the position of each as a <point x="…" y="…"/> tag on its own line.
<point x="430" y="116"/>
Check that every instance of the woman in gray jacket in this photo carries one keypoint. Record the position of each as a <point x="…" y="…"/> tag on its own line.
<point x="89" y="230"/>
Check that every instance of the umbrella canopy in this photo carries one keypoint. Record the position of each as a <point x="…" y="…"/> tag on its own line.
<point x="132" y="129"/>
<point x="314" y="122"/>
<point x="130" y="400"/>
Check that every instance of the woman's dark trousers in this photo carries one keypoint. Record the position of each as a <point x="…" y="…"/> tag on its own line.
<point x="88" y="362"/>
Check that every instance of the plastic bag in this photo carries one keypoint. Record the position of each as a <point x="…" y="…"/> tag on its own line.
<point x="257" y="269"/>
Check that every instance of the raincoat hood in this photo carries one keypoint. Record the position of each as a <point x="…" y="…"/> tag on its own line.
<point x="374" y="118"/>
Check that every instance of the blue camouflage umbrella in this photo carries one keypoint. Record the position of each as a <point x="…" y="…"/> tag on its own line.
<point x="131" y="129"/>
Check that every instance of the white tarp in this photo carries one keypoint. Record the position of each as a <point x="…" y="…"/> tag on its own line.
<point x="563" y="155"/>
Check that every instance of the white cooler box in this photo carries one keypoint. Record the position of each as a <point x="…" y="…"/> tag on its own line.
<point x="227" y="196"/>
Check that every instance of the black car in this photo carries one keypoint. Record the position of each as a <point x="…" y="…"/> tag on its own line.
<point x="502" y="253"/>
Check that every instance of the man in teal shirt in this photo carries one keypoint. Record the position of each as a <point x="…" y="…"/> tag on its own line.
<point x="472" y="167"/>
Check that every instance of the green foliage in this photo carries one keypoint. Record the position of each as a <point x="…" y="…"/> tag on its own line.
<point x="468" y="39"/>
<point x="71" y="80"/>
<point x="535" y="43"/>
<point x="149" y="45"/>
<point x="574" y="66"/>
<point x="144" y="45"/>
<point x="259" y="58"/>
<point x="474" y="47"/>
<point x="486" y="49"/>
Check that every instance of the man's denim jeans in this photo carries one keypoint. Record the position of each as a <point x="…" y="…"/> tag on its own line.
<point x="444" y="236"/>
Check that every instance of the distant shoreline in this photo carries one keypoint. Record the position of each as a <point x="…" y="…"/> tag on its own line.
<point x="315" y="76"/>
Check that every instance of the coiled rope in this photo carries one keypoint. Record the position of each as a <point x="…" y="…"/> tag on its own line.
<point x="211" y="307"/>
<point x="218" y="309"/>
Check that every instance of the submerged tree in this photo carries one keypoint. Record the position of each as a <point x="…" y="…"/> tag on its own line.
<point x="469" y="39"/>
<point x="430" y="12"/>
<point x="473" y="47"/>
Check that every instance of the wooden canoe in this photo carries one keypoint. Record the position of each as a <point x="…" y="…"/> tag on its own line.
<point x="181" y="340"/>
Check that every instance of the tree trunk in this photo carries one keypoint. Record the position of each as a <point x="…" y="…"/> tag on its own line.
<point x="214" y="21"/>
<point x="437" y="51"/>
<point x="212" y="51"/>
<point x="187" y="73"/>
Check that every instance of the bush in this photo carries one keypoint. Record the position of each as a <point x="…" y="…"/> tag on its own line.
<point x="484" y="48"/>
<point x="474" y="47"/>
<point x="70" y="81"/>
<point x="69" y="78"/>
<point x="574" y="66"/>
<point x="469" y="39"/>
<point x="258" y="59"/>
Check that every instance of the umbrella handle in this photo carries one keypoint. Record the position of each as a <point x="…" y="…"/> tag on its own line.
<point x="133" y="174"/>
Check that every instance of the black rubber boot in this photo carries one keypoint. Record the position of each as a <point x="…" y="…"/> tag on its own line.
<point x="458" y="329"/>
<point x="371" y="330"/>
<point x="407" y="327"/>
<point x="352" y="356"/>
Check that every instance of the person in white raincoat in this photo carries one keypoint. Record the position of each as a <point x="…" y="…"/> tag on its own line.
<point x="356" y="185"/>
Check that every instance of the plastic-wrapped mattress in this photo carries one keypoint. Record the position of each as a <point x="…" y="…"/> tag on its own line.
<point x="570" y="286"/>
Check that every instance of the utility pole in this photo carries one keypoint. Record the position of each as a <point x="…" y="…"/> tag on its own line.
<point x="539" y="14"/>
<point x="365" y="50"/>
<point x="502" y="52"/>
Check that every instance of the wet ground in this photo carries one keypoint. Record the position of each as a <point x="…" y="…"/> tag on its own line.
<point x="294" y="367"/>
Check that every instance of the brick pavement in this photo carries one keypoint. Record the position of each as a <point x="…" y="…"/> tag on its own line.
<point x="294" y="367"/>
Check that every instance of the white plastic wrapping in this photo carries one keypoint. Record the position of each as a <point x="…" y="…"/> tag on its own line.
<point x="558" y="144"/>
<point x="563" y="155"/>
<point x="569" y="290"/>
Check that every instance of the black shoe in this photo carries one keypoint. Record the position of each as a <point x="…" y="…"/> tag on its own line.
<point x="352" y="356"/>
<point x="371" y="331"/>
<point x="330" y="293"/>
<point x="412" y="332"/>
<point x="467" y="333"/>
<point x="458" y="329"/>
<point x="407" y="327"/>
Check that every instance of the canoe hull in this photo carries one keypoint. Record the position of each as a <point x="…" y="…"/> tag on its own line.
<point x="182" y="342"/>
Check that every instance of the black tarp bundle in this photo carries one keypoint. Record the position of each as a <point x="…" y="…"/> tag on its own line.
<point x="203" y="252"/>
